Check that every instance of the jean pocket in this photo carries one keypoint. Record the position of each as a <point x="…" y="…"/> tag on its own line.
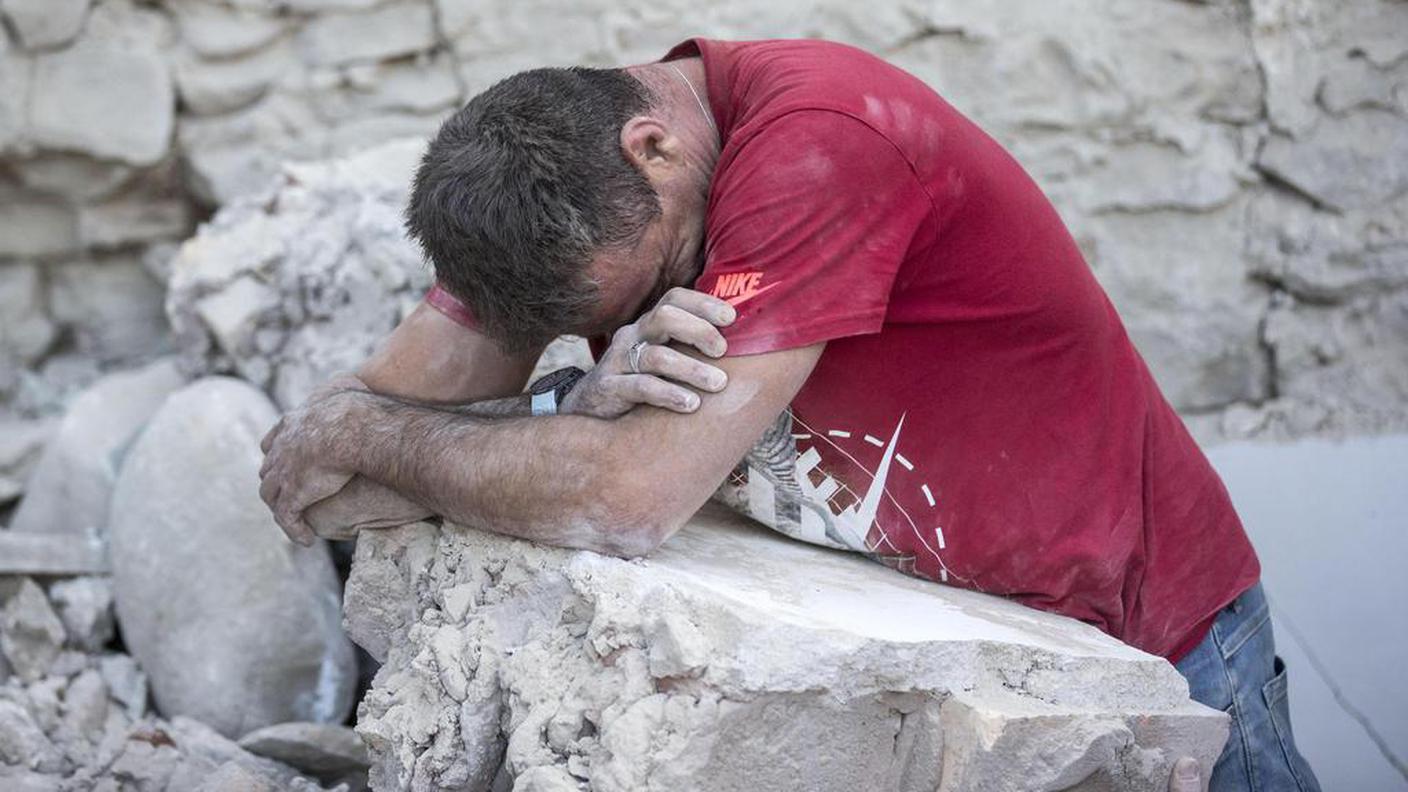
<point x="1295" y="769"/>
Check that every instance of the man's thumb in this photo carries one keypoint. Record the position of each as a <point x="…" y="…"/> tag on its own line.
<point x="1186" y="776"/>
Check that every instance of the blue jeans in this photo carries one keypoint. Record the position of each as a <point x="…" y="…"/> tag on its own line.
<point x="1235" y="669"/>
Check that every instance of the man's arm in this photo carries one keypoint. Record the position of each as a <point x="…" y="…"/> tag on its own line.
<point x="620" y="486"/>
<point x="429" y="358"/>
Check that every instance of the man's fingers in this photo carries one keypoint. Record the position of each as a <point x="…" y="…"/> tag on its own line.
<point x="671" y="323"/>
<point x="1187" y="776"/>
<point x="682" y="368"/>
<point x="647" y="389"/>
<point x="268" y="441"/>
<point x="705" y="306"/>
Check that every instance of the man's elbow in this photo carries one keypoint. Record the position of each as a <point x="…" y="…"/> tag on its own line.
<point x="637" y="536"/>
<point x="638" y="520"/>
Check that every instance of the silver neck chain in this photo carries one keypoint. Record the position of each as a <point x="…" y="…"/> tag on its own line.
<point x="702" y="108"/>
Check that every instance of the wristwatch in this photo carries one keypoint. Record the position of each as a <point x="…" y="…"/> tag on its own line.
<point x="550" y="389"/>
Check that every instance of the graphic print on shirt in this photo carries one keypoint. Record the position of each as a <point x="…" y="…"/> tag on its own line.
<point x="783" y="483"/>
<point x="736" y="288"/>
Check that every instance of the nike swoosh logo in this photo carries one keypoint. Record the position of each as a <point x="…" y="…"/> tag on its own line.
<point x="746" y="296"/>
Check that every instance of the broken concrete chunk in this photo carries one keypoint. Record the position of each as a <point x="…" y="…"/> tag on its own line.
<point x="735" y="659"/>
<point x="321" y="749"/>
<point x="235" y="777"/>
<point x="22" y="742"/>
<point x="72" y="483"/>
<point x="126" y="683"/>
<point x="20" y="445"/>
<point x="289" y="291"/>
<point x="233" y="624"/>
<point x="85" y="607"/>
<point x="31" y="634"/>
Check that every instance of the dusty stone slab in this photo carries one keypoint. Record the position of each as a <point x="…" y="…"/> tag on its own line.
<point x="321" y="749"/>
<point x="735" y="659"/>
<point x="40" y="554"/>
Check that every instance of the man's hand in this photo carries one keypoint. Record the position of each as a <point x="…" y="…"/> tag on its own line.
<point x="666" y="375"/>
<point x="1186" y="776"/>
<point x="306" y="453"/>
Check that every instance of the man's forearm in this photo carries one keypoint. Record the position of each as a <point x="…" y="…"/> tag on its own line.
<point x="549" y="479"/>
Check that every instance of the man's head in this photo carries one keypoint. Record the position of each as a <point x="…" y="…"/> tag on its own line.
<point x="540" y="202"/>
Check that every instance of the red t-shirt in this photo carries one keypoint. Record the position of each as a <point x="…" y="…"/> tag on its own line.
<point x="979" y="416"/>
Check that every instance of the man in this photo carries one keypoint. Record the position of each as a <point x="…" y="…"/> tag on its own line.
<point x="879" y="292"/>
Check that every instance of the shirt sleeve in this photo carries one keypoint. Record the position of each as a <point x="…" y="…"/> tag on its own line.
<point x="809" y="222"/>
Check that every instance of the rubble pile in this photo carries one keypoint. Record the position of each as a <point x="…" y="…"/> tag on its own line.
<point x="74" y="714"/>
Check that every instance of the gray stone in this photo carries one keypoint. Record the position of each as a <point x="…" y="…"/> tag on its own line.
<point x="31" y="634"/>
<point x="20" y="779"/>
<point x="112" y="305"/>
<point x="1356" y="162"/>
<point x="392" y="30"/>
<point x="221" y="86"/>
<point x="733" y="658"/>
<point x="26" y="331"/>
<point x="217" y="31"/>
<point x="320" y="749"/>
<point x="238" y="154"/>
<point x="104" y="100"/>
<point x="234" y="624"/>
<point x="73" y="480"/>
<point x="20" y="445"/>
<point x="131" y="220"/>
<point x="15" y="73"/>
<point x="235" y="777"/>
<point x="85" y="608"/>
<point x="126" y="683"/>
<point x="23" y="553"/>
<point x="36" y="225"/>
<point x="85" y="706"/>
<point x="23" y="744"/>
<point x="45" y="23"/>
<point x="73" y="177"/>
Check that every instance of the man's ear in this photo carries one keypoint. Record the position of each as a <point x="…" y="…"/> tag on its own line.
<point x="648" y="144"/>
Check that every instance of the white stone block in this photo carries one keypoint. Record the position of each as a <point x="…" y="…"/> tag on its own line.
<point x="45" y="23"/>
<point x="733" y="658"/>
<point x="103" y="100"/>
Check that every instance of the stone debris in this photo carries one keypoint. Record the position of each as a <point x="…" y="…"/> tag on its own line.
<point x="287" y="298"/>
<point x="73" y="480"/>
<point x="20" y="445"/>
<point x="733" y="659"/>
<point x="233" y="624"/>
<point x="85" y="608"/>
<point x="324" y="750"/>
<point x="72" y="720"/>
<point x="31" y="633"/>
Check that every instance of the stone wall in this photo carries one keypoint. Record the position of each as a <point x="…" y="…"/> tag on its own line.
<point x="1235" y="170"/>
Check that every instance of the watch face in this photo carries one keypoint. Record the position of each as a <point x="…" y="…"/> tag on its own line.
<point x="556" y="379"/>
